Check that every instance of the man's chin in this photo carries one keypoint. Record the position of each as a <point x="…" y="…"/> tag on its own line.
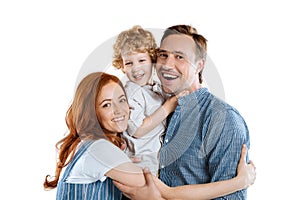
<point x="168" y="91"/>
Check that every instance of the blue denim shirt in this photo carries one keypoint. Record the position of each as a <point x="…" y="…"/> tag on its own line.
<point x="203" y="142"/>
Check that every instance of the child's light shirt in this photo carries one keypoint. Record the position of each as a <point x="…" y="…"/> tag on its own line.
<point x="143" y="101"/>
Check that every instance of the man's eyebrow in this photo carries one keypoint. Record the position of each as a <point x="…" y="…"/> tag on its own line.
<point x="178" y="52"/>
<point x="173" y="52"/>
<point x="162" y="50"/>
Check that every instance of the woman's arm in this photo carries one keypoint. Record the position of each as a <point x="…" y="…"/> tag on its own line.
<point x="128" y="174"/>
<point x="245" y="177"/>
<point x="106" y="159"/>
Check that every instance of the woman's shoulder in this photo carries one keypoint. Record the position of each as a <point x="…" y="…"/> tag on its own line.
<point x="106" y="152"/>
<point x="101" y="143"/>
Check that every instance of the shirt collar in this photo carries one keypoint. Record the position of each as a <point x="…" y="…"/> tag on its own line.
<point x="193" y="98"/>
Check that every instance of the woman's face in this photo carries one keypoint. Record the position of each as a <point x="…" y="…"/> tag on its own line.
<point x="112" y="108"/>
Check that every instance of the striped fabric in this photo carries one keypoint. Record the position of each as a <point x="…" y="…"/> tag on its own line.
<point x="93" y="191"/>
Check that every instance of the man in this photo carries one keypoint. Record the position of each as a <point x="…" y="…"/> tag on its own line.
<point x="204" y="135"/>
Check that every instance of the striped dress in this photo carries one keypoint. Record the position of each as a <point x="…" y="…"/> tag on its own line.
<point x="91" y="191"/>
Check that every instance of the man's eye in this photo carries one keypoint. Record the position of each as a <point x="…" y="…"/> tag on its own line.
<point x="128" y="64"/>
<point x="142" y="60"/>
<point x="162" y="55"/>
<point x="179" y="57"/>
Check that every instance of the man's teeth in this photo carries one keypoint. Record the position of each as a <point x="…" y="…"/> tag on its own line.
<point x="169" y="76"/>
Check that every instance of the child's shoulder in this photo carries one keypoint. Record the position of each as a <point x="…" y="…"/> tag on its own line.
<point x="132" y="87"/>
<point x="133" y="90"/>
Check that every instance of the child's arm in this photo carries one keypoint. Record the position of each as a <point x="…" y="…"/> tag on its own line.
<point x="157" y="117"/>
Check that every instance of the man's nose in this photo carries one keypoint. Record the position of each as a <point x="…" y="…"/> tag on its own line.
<point x="170" y="61"/>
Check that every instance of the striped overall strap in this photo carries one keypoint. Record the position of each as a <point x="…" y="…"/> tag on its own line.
<point x="98" y="190"/>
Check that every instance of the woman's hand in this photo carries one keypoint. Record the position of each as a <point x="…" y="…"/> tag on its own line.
<point x="246" y="172"/>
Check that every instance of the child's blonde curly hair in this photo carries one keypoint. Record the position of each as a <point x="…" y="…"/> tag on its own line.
<point x="135" y="39"/>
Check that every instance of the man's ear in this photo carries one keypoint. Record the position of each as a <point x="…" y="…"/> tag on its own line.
<point x="200" y="65"/>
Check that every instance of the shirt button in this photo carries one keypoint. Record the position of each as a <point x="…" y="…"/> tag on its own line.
<point x="167" y="140"/>
<point x="162" y="166"/>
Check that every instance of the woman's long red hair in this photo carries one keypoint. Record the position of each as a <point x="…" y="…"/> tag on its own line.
<point x="82" y="122"/>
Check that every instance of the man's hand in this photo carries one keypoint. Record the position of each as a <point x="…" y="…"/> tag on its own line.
<point x="148" y="191"/>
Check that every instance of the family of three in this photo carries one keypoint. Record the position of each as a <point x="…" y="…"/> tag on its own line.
<point x="118" y="146"/>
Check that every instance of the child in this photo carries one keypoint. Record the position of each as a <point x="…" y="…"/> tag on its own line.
<point x="134" y="54"/>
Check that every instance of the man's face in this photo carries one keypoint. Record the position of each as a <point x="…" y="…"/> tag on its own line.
<point x="176" y="66"/>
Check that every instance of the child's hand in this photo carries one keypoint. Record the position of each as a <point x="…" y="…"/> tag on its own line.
<point x="182" y="93"/>
<point x="170" y="105"/>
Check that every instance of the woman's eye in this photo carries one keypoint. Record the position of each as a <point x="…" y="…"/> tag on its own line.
<point x="106" y="105"/>
<point x="123" y="100"/>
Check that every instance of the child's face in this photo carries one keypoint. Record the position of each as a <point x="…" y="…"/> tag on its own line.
<point x="138" y="67"/>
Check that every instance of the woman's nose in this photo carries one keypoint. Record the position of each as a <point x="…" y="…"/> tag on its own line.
<point x="117" y="109"/>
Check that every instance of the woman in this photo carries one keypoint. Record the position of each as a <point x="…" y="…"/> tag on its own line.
<point x="93" y="148"/>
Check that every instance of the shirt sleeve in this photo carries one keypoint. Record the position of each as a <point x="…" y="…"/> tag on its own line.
<point x="102" y="157"/>
<point x="224" y="157"/>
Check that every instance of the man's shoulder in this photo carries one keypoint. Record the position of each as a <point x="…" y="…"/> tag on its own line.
<point x="219" y="105"/>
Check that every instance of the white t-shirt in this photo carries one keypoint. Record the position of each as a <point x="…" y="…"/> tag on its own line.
<point x="97" y="160"/>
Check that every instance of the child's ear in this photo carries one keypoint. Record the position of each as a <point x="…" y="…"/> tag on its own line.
<point x="122" y="67"/>
<point x="123" y="70"/>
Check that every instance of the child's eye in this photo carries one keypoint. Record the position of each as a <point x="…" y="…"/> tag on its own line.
<point x="142" y="60"/>
<point x="128" y="64"/>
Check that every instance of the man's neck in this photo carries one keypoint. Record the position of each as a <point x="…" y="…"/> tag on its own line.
<point x="194" y="87"/>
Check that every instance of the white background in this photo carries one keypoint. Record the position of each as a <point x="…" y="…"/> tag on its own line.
<point x="43" y="44"/>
